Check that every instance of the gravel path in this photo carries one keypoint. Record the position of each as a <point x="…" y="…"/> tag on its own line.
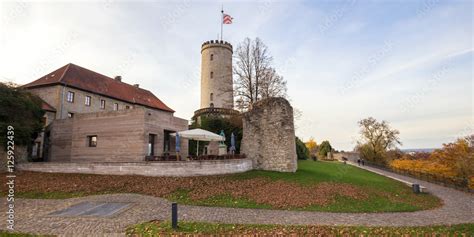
<point x="32" y="215"/>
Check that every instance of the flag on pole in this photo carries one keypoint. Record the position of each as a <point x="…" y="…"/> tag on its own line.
<point x="227" y="19"/>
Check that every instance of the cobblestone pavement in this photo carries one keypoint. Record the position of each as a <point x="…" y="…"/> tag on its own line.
<point x="32" y="215"/>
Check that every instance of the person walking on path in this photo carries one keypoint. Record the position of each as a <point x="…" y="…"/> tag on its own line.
<point x="358" y="162"/>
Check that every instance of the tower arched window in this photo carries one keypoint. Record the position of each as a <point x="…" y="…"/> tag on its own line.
<point x="212" y="74"/>
<point x="212" y="96"/>
<point x="212" y="57"/>
<point x="211" y="105"/>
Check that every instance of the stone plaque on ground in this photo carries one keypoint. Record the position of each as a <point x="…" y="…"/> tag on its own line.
<point x="94" y="209"/>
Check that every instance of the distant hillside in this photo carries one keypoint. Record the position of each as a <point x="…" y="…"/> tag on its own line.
<point x="418" y="150"/>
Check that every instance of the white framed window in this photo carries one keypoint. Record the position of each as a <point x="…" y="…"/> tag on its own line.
<point x="70" y="115"/>
<point x="70" y="97"/>
<point x="88" y="101"/>
<point x="115" y="106"/>
<point x="102" y="104"/>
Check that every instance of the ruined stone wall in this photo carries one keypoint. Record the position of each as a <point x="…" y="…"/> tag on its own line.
<point x="269" y="135"/>
<point x="351" y="156"/>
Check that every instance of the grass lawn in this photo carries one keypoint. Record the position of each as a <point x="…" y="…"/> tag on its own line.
<point x="157" y="228"/>
<point x="316" y="186"/>
<point x="385" y="195"/>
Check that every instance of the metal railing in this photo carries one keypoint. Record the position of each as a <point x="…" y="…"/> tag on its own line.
<point x="451" y="182"/>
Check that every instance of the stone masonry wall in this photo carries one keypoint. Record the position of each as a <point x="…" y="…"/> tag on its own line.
<point x="269" y="135"/>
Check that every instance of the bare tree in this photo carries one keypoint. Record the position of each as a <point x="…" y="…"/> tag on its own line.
<point x="254" y="76"/>
<point x="272" y="85"/>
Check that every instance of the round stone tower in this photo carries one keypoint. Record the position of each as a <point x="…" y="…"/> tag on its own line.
<point x="216" y="75"/>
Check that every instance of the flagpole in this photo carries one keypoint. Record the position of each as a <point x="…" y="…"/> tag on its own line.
<point x="222" y="20"/>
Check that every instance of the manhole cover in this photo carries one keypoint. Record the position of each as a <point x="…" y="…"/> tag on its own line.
<point x="98" y="209"/>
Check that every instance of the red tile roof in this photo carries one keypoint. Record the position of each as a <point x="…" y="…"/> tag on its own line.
<point x="81" y="78"/>
<point x="47" y="107"/>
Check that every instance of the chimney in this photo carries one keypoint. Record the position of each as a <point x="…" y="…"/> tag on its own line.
<point x="136" y="85"/>
<point x="118" y="78"/>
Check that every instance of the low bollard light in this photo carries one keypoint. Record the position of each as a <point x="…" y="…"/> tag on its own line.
<point x="174" y="215"/>
<point x="416" y="188"/>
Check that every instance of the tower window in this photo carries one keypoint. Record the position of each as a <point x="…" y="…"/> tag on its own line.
<point x="211" y="105"/>
<point x="212" y="74"/>
<point x="212" y="96"/>
<point x="212" y="57"/>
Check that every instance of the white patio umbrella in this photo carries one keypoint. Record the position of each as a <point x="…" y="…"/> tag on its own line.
<point x="199" y="135"/>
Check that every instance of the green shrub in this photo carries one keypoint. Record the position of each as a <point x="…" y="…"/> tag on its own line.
<point x="22" y="110"/>
<point x="216" y="124"/>
<point x="324" y="148"/>
<point x="302" y="151"/>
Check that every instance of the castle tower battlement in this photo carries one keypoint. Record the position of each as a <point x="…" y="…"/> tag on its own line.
<point x="216" y="75"/>
<point x="216" y="43"/>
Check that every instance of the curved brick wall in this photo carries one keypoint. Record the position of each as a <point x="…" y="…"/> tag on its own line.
<point x="168" y="168"/>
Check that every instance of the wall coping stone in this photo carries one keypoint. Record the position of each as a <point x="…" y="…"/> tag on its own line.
<point x="145" y="168"/>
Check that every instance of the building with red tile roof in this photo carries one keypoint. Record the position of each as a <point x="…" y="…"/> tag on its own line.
<point x="91" y="117"/>
<point x="74" y="76"/>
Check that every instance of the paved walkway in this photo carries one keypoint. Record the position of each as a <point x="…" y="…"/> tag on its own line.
<point x="32" y="215"/>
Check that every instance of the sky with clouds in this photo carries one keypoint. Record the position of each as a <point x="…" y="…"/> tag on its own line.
<point x="407" y="62"/>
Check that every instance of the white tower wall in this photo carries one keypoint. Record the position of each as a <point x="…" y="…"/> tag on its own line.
<point x="216" y="75"/>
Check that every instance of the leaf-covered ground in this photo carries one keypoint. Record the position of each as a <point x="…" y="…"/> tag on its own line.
<point x="317" y="186"/>
<point x="157" y="228"/>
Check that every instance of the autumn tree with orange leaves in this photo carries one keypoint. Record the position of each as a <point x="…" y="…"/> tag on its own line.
<point x="454" y="160"/>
